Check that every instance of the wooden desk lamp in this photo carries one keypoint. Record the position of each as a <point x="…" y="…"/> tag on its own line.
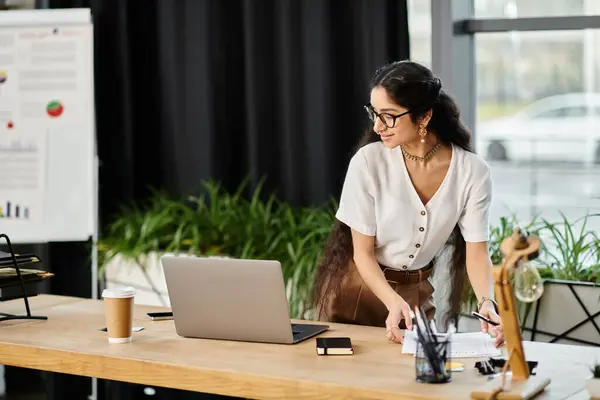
<point x="516" y="249"/>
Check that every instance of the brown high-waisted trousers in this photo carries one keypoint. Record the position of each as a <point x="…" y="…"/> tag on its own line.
<point x="355" y="303"/>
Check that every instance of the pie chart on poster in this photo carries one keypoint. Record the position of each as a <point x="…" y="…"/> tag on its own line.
<point x="55" y="108"/>
<point x="3" y="76"/>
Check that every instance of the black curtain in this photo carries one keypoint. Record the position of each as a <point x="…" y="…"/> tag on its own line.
<point x="191" y="90"/>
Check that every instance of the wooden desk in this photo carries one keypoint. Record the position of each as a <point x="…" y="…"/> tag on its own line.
<point x="70" y="342"/>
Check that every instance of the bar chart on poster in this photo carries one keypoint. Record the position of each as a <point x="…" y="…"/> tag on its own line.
<point x="22" y="180"/>
<point x="48" y="167"/>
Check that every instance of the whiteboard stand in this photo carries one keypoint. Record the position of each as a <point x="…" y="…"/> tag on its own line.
<point x="95" y="235"/>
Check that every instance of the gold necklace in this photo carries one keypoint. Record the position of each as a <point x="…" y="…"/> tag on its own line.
<point x="426" y="157"/>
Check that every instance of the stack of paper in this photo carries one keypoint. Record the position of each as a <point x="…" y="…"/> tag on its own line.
<point x="22" y="259"/>
<point x="463" y="345"/>
<point x="8" y="276"/>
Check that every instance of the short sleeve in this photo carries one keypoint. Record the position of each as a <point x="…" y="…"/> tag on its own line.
<point x="474" y="220"/>
<point x="357" y="205"/>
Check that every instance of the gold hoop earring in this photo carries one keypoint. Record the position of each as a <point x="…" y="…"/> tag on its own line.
<point x="422" y="133"/>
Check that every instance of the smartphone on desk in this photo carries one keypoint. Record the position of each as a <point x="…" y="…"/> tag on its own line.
<point x="159" y="316"/>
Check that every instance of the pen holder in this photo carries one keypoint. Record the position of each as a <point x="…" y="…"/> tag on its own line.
<point x="432" y="365"/>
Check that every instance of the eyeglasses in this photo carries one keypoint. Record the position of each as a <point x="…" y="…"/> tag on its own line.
<point x="388" y="120"/>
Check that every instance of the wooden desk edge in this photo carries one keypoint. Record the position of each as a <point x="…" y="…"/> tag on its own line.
<point x="185" y="377"/>
<point x="170" y="375"/>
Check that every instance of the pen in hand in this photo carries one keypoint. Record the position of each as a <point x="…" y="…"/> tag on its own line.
<point x="481" y="317"/>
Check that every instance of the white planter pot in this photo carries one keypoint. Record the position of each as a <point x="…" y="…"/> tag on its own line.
<point x="593" y="387"/>
<point x="151" y="288"/>
<point x="559" y="310"/>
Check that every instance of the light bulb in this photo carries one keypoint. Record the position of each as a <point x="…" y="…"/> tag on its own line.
<point x="528" y="283"/>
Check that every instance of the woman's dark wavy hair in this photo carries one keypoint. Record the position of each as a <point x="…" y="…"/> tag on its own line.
<point x="415" y="88"/>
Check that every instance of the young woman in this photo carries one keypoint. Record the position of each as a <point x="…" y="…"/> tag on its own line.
<point x="413" y="187"/>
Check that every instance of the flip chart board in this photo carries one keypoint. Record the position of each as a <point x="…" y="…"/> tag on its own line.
<point x="48" y="163"/>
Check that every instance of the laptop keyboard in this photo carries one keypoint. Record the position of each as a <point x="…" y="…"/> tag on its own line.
<point x="296" y="330"/>
<point x="301" y="331"/>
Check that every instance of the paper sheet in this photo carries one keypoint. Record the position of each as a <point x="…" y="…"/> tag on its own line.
<point x="464" y="345"/>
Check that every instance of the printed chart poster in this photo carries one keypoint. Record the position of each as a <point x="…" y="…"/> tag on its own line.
<point x="22" y="178"/>
<point x="44" y="76"/>
<point x="48" y="167"/>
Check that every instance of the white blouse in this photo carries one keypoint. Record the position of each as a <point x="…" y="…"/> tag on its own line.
<point x="378" y="199"/>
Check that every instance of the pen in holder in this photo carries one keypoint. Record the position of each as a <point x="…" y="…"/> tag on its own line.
<point x="433" y="350"/>
<point x="431" y="360"/>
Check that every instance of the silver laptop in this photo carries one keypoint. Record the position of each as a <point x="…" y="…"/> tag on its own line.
<point x="232" y="299"/>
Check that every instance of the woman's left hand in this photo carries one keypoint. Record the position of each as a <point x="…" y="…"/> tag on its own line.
<point x="488" y="311"/>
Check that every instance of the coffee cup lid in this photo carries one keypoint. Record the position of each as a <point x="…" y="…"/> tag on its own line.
<point x="119" y="292"/>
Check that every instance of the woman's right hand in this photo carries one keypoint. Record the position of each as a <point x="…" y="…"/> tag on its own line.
<point x="397" y="311"/>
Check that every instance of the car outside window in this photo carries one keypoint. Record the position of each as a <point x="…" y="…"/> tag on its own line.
<point x="562" y="112"/>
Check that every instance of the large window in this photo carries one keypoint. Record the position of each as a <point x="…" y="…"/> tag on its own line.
<point x="17" y="4"/>
<point x="533" y="8"/>
<point x="536" y="99"/>
<point x="538" y="121"/>
<point x="419" y="25"/>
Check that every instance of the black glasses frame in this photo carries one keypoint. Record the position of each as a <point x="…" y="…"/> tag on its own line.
<point x="373" y="114"/>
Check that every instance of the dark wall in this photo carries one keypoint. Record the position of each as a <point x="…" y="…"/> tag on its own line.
<point x="193" y="90"/>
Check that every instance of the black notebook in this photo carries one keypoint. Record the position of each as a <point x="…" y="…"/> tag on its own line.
<point x="334" y="346"/>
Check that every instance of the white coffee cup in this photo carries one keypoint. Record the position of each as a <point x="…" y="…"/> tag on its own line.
<point x="118" y="309"/>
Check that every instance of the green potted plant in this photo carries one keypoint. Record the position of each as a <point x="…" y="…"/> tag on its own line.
<point x="593" y="382"/>
<point x="217" y="223"/>
<point x="569" y="264"/>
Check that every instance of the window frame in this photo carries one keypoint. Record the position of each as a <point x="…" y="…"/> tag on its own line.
<point x="453" y="29"/>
